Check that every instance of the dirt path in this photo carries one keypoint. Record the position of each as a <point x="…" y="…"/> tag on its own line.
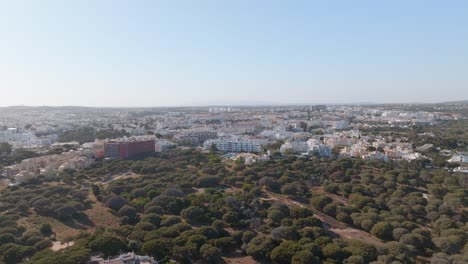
<point x="336" y="198"/>
<point x="330" y="223"/>
<point x="121" y="176"/>
<point x="99" y="215"/>
<point x="232" y="189"/>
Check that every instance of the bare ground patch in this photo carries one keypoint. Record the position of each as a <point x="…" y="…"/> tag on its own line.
<point x="62" y="231"/>
<point x="336" y="198"/>
<point x="58" y="245"/>
<point x="99" y="215"/>
<point x="240" y="260"/>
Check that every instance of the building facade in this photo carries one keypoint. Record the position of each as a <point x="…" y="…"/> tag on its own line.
<point x="233" y="145"/>
<point x="128" y="148"/>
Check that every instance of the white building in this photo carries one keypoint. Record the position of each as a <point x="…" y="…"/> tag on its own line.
<point x="26" y="139"/>
<point x="463" y="169"/>
<point x="230" y="145"/>
<point x="316" y="146"/>
<point x="295" y="147"/>
<point x="375" y="156"/>
<point x="459" y="157"/>
<point x="49" y="164"/>
<point x="129" y="258"/>
<point x="335" y="124"/>
<point x="163" y="145"/>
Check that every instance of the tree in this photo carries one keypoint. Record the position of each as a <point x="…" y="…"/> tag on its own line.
<point x="22" y="206"/>
<point x="193" y="214"/>
<point x="344" y="217"/>
<point x="330" y="209"/>
<point x="444" y="224"/>
<point x="218" y="225"/>
<point x="96" y="190"/>
<point x="382" y="230"/>
<point x="361" y="251"/>
<point x="231" y="218"/>
<point x="333" y="251"/>
<point x="208" y="181"/>
<point x="128" y="211"/>
<point x="355" y="260"/>
<point x="284" y="252"/>
<point x="305" y="257"/>
<point x="290" y="189"/>
<point x="107" y="244"/>
<point x="213" y="148"/>
<point x="367" y="224"/>
<point x="15" y="253"/>
<point x="226" y="244"/>
<point x="71" y="255"/>
<point x="152" y="218"/>
<point x="84" y="134"/>
<point x="157" y="248"/>
<point x="307" y="222"/>
<point x="154" y="209"/>
<point x="247" y="236"/>
<point x="320" y="201"/>
<point x="115" y="202"/>
<point x="276" y="216"/>
<point x="170" y="220"/>
<point x="284" y="232"/>
<point x="6" y="238"/>
<point x="5" y="148"/>
<point x="145" y="226"/>
<point x="449" y="245"/>
<point x="138" y="192"/>
<point x="210" y="254"/>
<point x="300" y="212"/>
<point x="270" y="183"/>
<point x="66" y="211"/>
<point x="260" y="247"/>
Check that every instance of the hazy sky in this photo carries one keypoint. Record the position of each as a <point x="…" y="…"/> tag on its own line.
<point x="155" y="53"/>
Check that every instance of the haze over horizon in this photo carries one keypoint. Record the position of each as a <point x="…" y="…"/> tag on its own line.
<point x="237" y="104"/>
<point x="181" y="53"/>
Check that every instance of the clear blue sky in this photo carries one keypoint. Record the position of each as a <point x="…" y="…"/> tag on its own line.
<point x="155" y="53"/>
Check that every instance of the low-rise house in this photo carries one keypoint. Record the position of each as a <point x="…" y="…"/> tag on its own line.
<point x="463" y="169"/>
<point x="49" y="164"/>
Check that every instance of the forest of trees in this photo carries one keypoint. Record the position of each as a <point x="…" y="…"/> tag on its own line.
<point x="89" y="134"/>
<point x="192" y="207"/>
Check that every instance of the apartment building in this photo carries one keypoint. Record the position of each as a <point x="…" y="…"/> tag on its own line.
<point x="230" y="145"/>
<point x="129" y="147"/>
<point x="295" y="147"/>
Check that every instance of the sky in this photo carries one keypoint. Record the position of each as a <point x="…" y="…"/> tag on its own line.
<point x="182" y="53"/>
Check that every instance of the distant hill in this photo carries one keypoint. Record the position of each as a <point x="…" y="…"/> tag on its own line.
<point x="455" y="102"/>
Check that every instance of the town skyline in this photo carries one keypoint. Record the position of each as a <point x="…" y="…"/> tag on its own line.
<point x="240" y="104"/>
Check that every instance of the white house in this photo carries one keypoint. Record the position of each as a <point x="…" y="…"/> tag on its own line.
<point x="459" y="157"/>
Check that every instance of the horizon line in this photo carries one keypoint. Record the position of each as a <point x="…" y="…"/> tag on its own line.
<point x="246" y="105"/>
